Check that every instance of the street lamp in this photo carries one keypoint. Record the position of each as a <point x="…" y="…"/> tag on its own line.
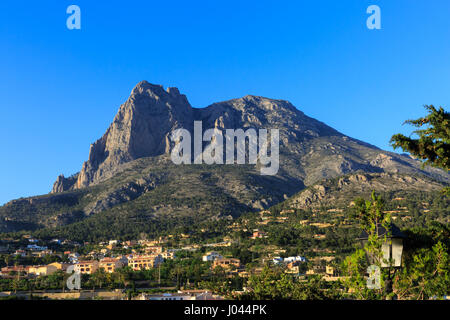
<point x="392" y="250"/>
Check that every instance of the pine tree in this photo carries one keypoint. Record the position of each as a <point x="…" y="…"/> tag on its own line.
<point x="433" y="144"/>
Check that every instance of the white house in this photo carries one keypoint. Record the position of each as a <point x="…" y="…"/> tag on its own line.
<point x="278" y="260"/>
<point x="211" y="256"/>
<point x="34" y="247"/>
<point x="292" y="259"/>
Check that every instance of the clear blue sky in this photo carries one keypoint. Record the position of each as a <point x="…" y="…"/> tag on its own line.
<point x="61" y="88"/>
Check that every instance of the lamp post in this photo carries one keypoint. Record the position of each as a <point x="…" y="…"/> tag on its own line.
<point x="392" y="250"/>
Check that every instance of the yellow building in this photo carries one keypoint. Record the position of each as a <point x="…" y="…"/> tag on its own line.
<point x="42" y="270"/>
<point x="153" y="249"/>
<point x="86" y="267"/>
<point x="59" y="265"/>
<point x="111" y="264"/>
<point x="145" y="262"/>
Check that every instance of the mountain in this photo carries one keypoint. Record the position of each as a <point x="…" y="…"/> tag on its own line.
<point x="341" y="191"/>
<point x="129" y="171"/>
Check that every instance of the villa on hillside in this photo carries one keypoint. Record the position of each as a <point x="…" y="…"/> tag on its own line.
<point x="211" y="256"/>
<point x="86" y="267"/>
<point x="111" y="264"/>
<point x="226" y="263"/>
<point x="145" y="262"/>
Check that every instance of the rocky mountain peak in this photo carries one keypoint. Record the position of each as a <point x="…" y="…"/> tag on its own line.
<point x="310" y="150"/>
<point x="148" y="95"/>
<point x="139" y="129"/>
<point x="144" y="86"/>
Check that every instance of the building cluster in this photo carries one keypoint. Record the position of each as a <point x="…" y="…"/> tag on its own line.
<point x="37" y="270"/>
<point x="113" y="255"/>
<point x="292" y="264"/>
<point x="150" y="255"/>
<point x="219" y="261"/>
<point x="108" y="264"/>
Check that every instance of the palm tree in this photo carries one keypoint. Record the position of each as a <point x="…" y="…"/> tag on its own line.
<point x="7" y="259"/>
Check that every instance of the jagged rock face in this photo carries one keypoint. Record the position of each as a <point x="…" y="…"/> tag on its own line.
<point x="141" y="128"/>
<point x="61" y="184"/>
<point x="260" y="112"/>
<point x="144" y="122"/>
<point x="309" y="149"/>
<point x="343" y="190"/>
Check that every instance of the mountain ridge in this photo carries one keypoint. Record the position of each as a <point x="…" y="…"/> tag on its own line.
<point x="129" y="170"/>
<point x="143" y="123"/>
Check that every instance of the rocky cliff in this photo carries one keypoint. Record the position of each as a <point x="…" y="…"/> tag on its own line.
<point x="139" y="129"/>
<point x="129" y="177"/>
<point x="310" y="150"/>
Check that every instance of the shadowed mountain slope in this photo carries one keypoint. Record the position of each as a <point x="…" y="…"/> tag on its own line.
<point x="129" y="167"/>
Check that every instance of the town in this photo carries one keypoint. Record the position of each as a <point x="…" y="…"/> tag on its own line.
<point x="227" y="258"/>
<point x="171" y="267"/>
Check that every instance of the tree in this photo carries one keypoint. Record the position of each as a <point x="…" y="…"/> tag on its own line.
<point x="99" y="277"/>
<point x="426" y="276"/>
<point x="176" y="272"/>
<point x="371" y="218"/>
<point x="270" y="284"/>
<point x="354" y="268"/>
<point x="425" y="269"/>
<point x="274" y="284"/>
<point x="370" y="214"/>
<point x="7" y="259"/>
<point x="433" y="144"/>
<point x="124" y="276"/>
